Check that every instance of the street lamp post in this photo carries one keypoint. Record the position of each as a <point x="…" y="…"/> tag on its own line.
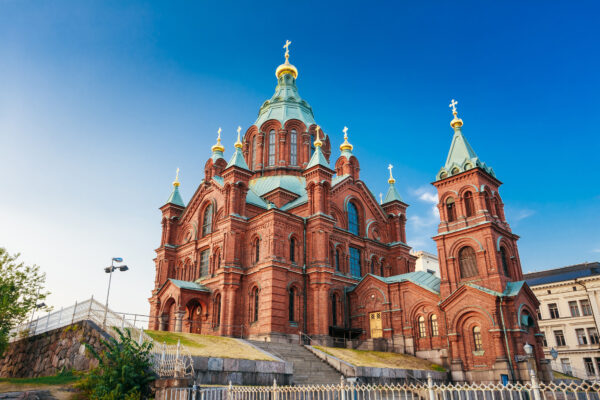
<point x="534" y="381"/>
<point x="109" y="271"/>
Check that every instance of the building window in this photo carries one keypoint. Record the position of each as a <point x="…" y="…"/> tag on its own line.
<point x="566" y="366"/>
<point x="293" y="250"/>
<point x="272" y="148"/>
<point x="581" y="338"/>
<point x="560" y="338"/>
<point x="434" y="325"/>
<point x="217" y="311"/>
<point x="337" y="260"/>
<point x="256" y="250"/>
<point x="504" y="260"/>
<point x="451" y="209"/>
<point x="312" y="144"/>
<point x="334" y="306"/>
<point x="574" y="309"/>
<point x="593" y="334"/>
<point x="467" y="262"/>
<point x="422" y="330"/>
<point x="469" y="206"/>
<point x="291" y="301"/>
<point x="589" y="366"/>
<point x="544" y="341"/>
<point x="255" y="301"/>
<point x="477" y="338"/>
<point x="553" y="308"/>
<point x="293" y="147"/>
<point x="355" y="262"/>
<point x="207" y="220"/>
<point x="372" y="266"/>
<point x="204" y="260"/>
<point x="352" y="218"/>
<point x="597" y="363"/>
<point x="539" y="314"/>
<point x="586" y="308"/>
<point x="488" y="204"/>
<point x="254" y="152"/>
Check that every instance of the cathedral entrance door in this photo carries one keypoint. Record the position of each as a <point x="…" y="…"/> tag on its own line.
<point x="375" y="325"/>
<point x="195" y="319"/>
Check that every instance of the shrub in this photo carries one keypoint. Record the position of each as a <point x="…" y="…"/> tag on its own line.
<point x="123" y="370"/>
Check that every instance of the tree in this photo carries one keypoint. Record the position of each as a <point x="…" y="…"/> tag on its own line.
<point x="21" y="287"/>
<point x="123" y="372"/>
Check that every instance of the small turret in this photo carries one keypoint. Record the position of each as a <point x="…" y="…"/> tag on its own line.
<point x="318" y="175"/>
<point x="216" y="163"/>
<point x="395" y="208"/>
<point x="171" y="212"/>
<point x="236" y="177"/>
<point x="347" y="163"/>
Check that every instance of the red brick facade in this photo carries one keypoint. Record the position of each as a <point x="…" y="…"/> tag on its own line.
<point x="271" y="248"/>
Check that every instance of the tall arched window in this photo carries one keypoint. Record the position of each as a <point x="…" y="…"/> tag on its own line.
<point x="381" y="268"/>
<point x="352" y="218"/>
<point x="504" y="260"/>
<point x="450" y="209"/>
<point x="293" y="147"/>
<point x="422" y="328"/>
<point x="435" y="331"/>
<point x="373" y="266"/>
<point x="207" y="220"/>
<point x="293" y="250"/>
<point x="337" y="260"/>
<point x="477" y="338"/>
<point x="488" y="204"/>
<point x="254" y="152"/>
<point x="469" y="205"/>
<point x="255" y="300"/>
<point x="334" y="305"/>
<point x="468" y="262"/>
<point x="256" y="250"/>
<point x="291" y="305"/>
<point x="272" y="147"/>
<point x="217" y="311"/>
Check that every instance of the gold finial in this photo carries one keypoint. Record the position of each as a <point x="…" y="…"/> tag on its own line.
<point x="318" y="142"/>
<point x="346" y="145"/>
<point x="218" y="146"/>
<point x="391" y="180"/>
<point x="456" y="122"/>
<point x="238" y="143"/>
<point x="286" y="67"/>
<point x="176" y="182"/>
<point x="380" y="198"/>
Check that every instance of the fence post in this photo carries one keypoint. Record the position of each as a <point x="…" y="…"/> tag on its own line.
<point x="60" y="316"/>
<point x="535" y="384"/>
<point x="140" y="340"/>
<point x="274" y="397"/>
<point x="342" y="388"/>
<point x="430" y="386"/>
<point x="47" y="320"/>
<point x="90" y="308"/>
<point x="74" y="311"/>
<point x="123" y="322"/>
<point x="229" y="391"/>
<point x="177" y="354"/>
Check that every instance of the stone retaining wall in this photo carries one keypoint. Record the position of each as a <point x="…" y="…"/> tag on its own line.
<point x="47" y="353"/>
<point x="221" y="371"/>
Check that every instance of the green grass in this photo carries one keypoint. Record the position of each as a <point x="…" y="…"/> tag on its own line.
<point x="209" y="346"/>
<point x="64" y="378"/>
<point x="560" y="375"/>
<point x="380" y="359"/>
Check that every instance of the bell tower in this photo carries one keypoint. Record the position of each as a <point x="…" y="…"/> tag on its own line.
<point x="475" y="243"/>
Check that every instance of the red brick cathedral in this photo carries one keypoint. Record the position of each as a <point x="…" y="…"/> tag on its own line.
<point x="276" y="243"/>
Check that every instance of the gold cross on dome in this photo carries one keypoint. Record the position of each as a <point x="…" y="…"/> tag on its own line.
<point x="286" y="46"/>
<point x="219" y="134"/>
<point x="380" y="198"/>
<point x="239" y="129"/>
<point x="345" y="130"/>
<point x="177" y="175"/>
<point x="453" y="104"/>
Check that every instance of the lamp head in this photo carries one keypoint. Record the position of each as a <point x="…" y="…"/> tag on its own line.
<point x="40" y="305"/>
<point x="117" y="259"/>
<point x="528" y="349"/>
<point x="108" y="270"/>
<point x="123" y="268"/>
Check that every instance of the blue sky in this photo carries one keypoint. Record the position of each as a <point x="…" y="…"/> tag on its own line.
<point x="101" y="101"/>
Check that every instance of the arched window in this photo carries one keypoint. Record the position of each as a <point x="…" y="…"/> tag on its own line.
<point x="488" y="204"/>
<point x="254" y="152"/>
<point x="467" y="261"/>
<point x="272" y="147"/>
<point x="293" y="147"/>
<point x="504" y="260"/>
<point x="291" y="306"/>
<point x="217" y="310"/>
<point x="207" y="220"/>
<point x="469" y="205"/>
<point x="293" y="250"/>
<point x="334" y="305"/>
<point x="477" y="339"/>
<point x="352" y="218"/>
<point x="434" y="326"/>
<point x="450" y="209"/>
<point x="337" y="260"/>
<point x="422" y="329"/>
<point x="256" y="250"/>
<point x="373" y="266"/>
<point x="255" y="300"/>
<point x="381" y="268"/>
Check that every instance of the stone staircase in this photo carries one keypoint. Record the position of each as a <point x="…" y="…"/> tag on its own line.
<point x="308" y="368"/>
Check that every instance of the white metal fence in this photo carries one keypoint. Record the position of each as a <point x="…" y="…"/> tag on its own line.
<point x="167" y="360"/>
<point x="426" y="391"/>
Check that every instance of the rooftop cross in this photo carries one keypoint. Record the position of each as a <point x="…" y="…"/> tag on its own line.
<point x="219" y="134"/>
<point x="238" y="143"/>
<point x="391" y="180"/>
<point x="286" y="46"/>
<point x="380" y="198"/>
<point x="345" y="130"/>
<point x="176" y="181"/>
<point x="318" y="142"/>
<point x="453" y="104"/>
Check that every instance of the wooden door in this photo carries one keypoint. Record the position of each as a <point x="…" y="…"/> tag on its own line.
<point x="375" y="324"/>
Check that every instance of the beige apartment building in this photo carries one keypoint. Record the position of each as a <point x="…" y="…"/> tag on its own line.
<point x="568" y="317"/>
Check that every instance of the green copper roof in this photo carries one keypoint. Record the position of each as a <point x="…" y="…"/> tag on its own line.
<point x="266" y="184"/>
<point x="238" y="160"/>
<point x="189" y="285"/>
<point x="512" y="289"/>
<point x="461" y="157"/>
<point x="216" y="155"/>
<point x="175" y="197"/>
<point x="318" y="158"/>
<point x="420" y="278"/>
<point x="392" y="194"/>
<point x="286" y="104"/>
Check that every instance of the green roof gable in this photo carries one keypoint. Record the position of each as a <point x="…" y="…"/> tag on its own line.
<point x="392" y="194"/>
<point x="189" y="285"/>
<point x="318" y="158"/>
<point x="461" y="157"/>
<point x="238" y="160"/>
<point x="175" y="197"/>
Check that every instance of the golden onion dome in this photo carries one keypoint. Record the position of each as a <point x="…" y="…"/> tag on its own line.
<point x="318" y="142"/>
<point x="218" y="146"/>
<point x="286" y="67"/>
<point x="346" y="145"/>
<point x="456" y="122"/>
<point x="238" y="143"/>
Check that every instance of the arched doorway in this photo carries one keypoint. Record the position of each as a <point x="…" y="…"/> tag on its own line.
<point x="194" y="317"/>
<point x="167" y="318"/>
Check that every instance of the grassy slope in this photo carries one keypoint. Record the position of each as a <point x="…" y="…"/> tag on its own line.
<point x="57" y="385"/>
<point x="380" y="359"/>
<point x="210" y="346"/>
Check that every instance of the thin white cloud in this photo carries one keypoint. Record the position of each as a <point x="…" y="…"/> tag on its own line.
<point x="522" y="214"/>
<point x="426" y="194"/>
<point x="596" y="250"/>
